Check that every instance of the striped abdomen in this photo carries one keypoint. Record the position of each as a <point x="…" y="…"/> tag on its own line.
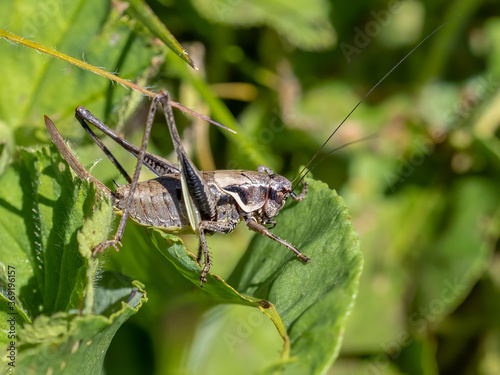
<point x="156" y="203"/>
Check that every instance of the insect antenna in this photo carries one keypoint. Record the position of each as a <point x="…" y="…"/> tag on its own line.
<point x="306" y="169"/>
<point x="367" y="138"/>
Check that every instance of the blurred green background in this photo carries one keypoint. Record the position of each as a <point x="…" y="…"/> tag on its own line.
<point x="423" y="194"/>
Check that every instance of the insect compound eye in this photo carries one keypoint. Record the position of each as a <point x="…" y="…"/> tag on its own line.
<point x="278" y="197"/>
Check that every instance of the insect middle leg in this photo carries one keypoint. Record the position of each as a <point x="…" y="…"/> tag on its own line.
<point x="209" y="226"/>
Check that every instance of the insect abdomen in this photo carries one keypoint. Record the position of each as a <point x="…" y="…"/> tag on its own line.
<point x="156" y="203"/>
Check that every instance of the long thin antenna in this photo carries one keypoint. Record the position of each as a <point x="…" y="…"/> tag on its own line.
<point x="362" y="100"/>
<point x="364" y="139"/>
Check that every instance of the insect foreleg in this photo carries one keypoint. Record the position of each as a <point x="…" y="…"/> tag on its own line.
<point x="302" y="194"/>
<point x="259" y="228"/>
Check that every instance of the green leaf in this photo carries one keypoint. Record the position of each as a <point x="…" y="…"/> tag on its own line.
<point x="308" y="303"/>
<point x="304" y="24"/>
<point x="40" y="211"/>
<point x="67" y="343"/>
<point x="314" y="299"/>
<point x="185" y="262"/>
<point x="48" y="274"/>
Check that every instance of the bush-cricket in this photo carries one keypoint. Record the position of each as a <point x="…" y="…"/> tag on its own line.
<point x="183" y="199"/>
